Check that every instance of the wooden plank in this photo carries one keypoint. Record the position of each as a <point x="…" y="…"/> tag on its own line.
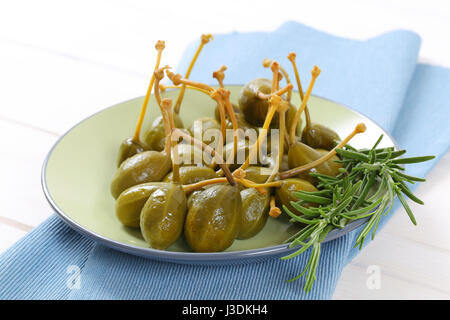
<point x="401" y="260"/>
<point x="406" y="260"/>
<point x="8" y="236"/>
<point x="55" y="92"/>
<point x="22" y="155"/>
<point x="353" y="286"/>
<point x="121" y="34"/>
<point x="433" y="218"/>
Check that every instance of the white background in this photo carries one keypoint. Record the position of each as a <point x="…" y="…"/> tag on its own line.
<point x="61" y="61"/>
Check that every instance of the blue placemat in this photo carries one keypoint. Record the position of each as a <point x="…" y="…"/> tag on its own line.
<point x="378" y="77"/>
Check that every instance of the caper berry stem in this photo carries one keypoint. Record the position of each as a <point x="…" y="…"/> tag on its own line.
<point x="288" y="81"/>
<point x="250" y="184"/>
<point x="292" y="57"/>
<point x="205" y="38"/>
<point x="220" y="75"/>
<point x="166" y="105"/>
<point x="275" y="101"/>
<point x="177" y="80"/>
<point x="282" y="108"/>
<point x="240" y="174"/>
<point x="360" y="128"/>
<point x="280" y="77"/>
<point x="246" y="183"/>
<point x="163" y="87"/>
<point x="216" y="96"/>
<point x="280" y="92"/>
<point x="274" y="66"/>
<point x="159" y="75"/>
<point x="229" y="108"/>
<point x="274" y="210"/>
<point x="288" y="88"/>
<point x="315" y="73"/>
<point x="198" y="185"/>
<point x="266" y="64"/>
<point x="160" y="45"/>
<point x="167" y="129"/>
<point x="225" y="95"/>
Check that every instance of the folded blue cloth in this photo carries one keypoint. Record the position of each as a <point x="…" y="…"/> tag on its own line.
<point x="378" y="77"/>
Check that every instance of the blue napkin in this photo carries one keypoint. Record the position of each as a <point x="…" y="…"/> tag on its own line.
<point x="378" y="77"/>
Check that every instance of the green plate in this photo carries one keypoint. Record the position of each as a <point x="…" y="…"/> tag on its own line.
<point x="77" y="173"/>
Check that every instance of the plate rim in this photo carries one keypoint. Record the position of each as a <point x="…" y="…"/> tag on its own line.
<point x="186" y="257"/>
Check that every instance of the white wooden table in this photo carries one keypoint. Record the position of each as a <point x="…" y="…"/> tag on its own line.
<point x="61" y="61"/>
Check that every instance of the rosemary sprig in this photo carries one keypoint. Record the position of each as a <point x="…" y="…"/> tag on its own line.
<point x="367" y="186"/>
